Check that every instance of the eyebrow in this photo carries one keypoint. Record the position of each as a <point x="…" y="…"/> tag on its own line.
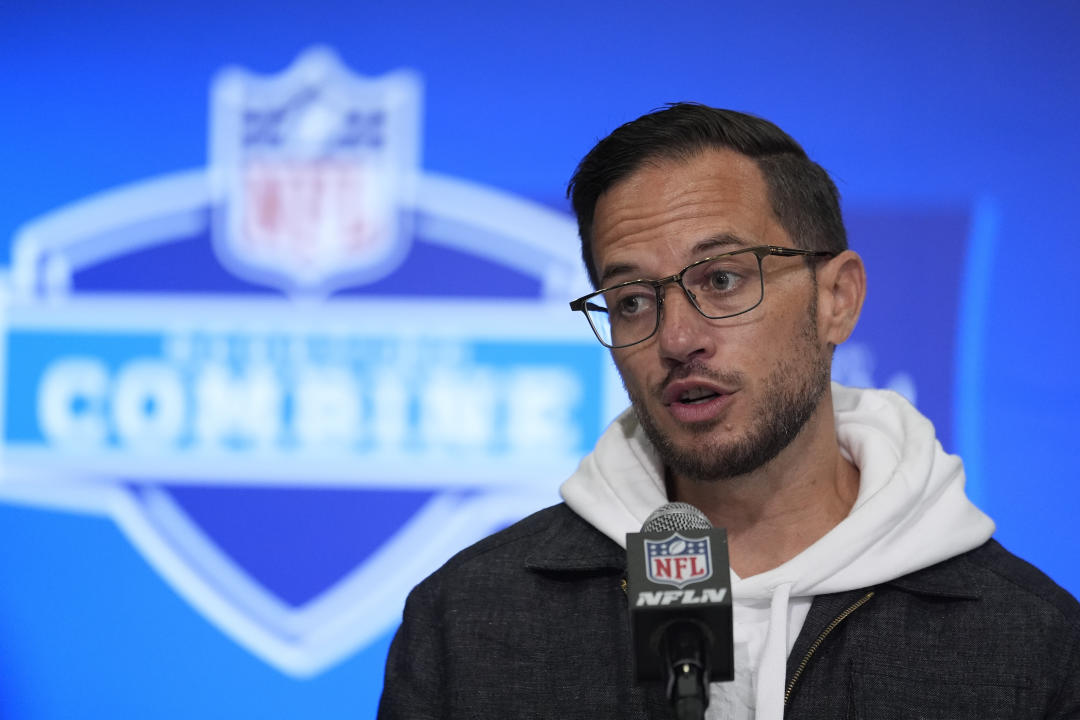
<point x="728" y="241"/>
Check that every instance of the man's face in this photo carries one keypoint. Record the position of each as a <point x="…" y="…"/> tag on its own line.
<point x="718" y="398"/>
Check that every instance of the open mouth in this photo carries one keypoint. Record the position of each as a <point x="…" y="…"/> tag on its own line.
<point x="695" y="400"/>
<point x="697" y="396"/>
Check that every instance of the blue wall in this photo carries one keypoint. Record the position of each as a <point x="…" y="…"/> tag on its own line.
<point x="955" y="120"/>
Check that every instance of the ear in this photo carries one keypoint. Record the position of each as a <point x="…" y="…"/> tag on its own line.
<point x="841" y="291"/>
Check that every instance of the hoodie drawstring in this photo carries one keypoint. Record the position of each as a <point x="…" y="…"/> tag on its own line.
<point x="773" y="666"/>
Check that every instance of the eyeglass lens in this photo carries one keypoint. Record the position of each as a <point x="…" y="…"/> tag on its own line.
<point x="722" y="287"/>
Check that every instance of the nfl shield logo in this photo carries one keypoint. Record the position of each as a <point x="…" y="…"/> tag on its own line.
<point x="678" y="561"/>
<point x="314" y="173"/>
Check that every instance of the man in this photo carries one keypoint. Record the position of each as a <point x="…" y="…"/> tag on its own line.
<point x="865" y="584"/>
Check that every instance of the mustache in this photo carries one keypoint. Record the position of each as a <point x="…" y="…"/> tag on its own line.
<point x="696" y="368"/>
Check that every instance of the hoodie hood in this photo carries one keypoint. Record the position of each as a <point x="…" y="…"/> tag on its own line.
<point x="911" y="512"/>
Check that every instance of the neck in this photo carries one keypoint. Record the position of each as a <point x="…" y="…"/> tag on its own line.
<point x="783" y="507"/>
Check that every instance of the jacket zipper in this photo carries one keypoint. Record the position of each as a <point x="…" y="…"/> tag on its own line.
<point x="820" y="638"/>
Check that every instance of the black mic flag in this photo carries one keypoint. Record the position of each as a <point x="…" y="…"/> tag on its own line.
<point x="679" y="590"/>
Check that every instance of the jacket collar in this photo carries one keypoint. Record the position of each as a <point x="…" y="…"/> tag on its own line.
<point x="952" y="578"/>
<point x="570" y="544"/>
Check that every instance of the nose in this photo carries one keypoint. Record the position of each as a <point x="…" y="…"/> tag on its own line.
<point x="684" y="334"/>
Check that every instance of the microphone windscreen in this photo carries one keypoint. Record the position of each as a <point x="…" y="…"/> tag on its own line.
<point x="674" y="517"/>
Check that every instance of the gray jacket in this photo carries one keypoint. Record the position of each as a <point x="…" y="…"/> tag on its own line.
<point x="532" y="623"/>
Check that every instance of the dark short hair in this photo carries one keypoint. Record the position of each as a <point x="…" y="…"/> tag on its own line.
<point x="803" y="196"/>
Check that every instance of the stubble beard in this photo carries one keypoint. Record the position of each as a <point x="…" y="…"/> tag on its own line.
<point x="790" y="396"/>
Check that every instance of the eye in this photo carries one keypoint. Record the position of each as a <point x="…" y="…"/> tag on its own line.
<point x="632" y="302"/>
<point x="722" y="280"/>
<point x="718" y="278"/>
<point x="632" y="305"/>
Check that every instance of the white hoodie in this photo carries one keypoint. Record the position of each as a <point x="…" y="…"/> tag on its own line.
<point x="911" y="512"/>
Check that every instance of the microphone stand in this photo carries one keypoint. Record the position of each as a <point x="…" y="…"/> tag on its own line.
<point x="687" y="681"/>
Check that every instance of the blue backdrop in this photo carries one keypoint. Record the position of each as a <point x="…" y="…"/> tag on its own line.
<point x="144" y="575"/>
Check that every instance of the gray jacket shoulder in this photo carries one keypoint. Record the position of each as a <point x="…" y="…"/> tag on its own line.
<point x="1017" y="577"/>
<point x="555" y="539"/>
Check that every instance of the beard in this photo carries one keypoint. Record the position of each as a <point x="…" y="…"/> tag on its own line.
<point x="790" y="396"/>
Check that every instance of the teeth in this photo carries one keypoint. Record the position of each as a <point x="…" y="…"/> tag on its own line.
<point x="695" y="394"/>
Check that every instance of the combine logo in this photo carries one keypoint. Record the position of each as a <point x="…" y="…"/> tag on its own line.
<point x="678" y="561"/>
<point x="299" y="379"/>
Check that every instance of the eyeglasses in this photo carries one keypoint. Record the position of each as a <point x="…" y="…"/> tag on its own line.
<point x="719" y="287"/>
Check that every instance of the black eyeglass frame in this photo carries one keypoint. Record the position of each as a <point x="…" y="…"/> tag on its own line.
<point x="759" y="251"/>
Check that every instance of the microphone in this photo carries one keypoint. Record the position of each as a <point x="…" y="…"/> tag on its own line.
<point x="679" y="590"/>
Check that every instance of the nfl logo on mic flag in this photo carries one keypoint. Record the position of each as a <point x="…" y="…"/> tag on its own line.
<point x="678" y="561"/>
